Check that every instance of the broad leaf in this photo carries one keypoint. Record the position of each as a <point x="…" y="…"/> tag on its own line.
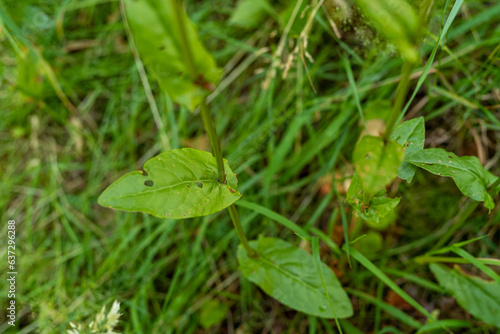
<point x="156" y="31"/>
<point x="370" y="244"/>
<point x="479" y="297"/>
<point x="212" y="313"/>
<point x="467" y="172"/>
<point x="249" y="13"/>
<point x="376" y="163"/>
<point x="378" y="206"/>
<point x="411" y="135"/>
<point x="289" y="275"/>
<point x="397" y="21"/>
<point x="176" y="184"/>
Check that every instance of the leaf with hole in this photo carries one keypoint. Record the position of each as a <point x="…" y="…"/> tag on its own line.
<point x="177" y="184"/>
<point x="467" y="172"/>
<point x="378" y="207"/>
<point x="376" y="162"/>
<point x="479" y="297"/>
<point x="289" y="275"/>
<point x="175" y="56"/>
<point x="410" y="135"/>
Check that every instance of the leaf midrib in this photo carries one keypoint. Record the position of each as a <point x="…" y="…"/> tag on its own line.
<point x="285" y="272"/>
<point x="165" y="187"/>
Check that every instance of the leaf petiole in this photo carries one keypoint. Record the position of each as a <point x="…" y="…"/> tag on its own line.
<point x="209" y="124"/>
<point x="239" y="230"/>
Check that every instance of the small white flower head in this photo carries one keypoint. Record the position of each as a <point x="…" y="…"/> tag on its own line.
<point x="103" y="323"/>
<point x="113" y="315"/>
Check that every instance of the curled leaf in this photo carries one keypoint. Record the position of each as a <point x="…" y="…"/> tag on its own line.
<point x="378" y="207"/>
<point x="467" y="172"/>
<point x="410" y="135"/>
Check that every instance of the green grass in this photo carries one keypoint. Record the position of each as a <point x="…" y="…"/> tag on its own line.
<point x="74" y="256"/>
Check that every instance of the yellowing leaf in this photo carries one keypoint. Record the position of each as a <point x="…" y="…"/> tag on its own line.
<point x="378" y="206"/>
<point x="376" y="162"/>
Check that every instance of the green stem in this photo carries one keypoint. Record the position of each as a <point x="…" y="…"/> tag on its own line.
<point x="401" y="92"/>
<point x="494" y="185"/>
<point x="209" y="124"/>
<point x="366" y="201"/>
<point x="239" y="230"/>
<point x="358" y="224"/>
<point x="185" y="44"/>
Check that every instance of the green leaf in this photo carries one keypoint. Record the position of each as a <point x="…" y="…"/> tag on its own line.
<point x="376" y="163"/>
<point x="213" y="312"/>
<point x="411" y="135"/>
<point x="370" y="244"/>
<point x="377" y="109"/>
<point x="378" y="206"/>
<point x="176" y="184"/>
<point x="467" y="172"/>
<point x="479" y="297"/>
<point x="384" y="222"/>
<point x="289" y="275"/>
<point x="185" y="70"/>
<point x="397" y="21"/>
<point x="249" y="13"/>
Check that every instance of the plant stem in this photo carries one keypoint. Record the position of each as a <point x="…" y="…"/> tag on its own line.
<point x="185" y="44"/>
<point x="494" y="185"/>
<point x="358" y="224"/>
<point x="209" y="124"/>
<point x="401" y="92"/>
<point x="239" y="230"/>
